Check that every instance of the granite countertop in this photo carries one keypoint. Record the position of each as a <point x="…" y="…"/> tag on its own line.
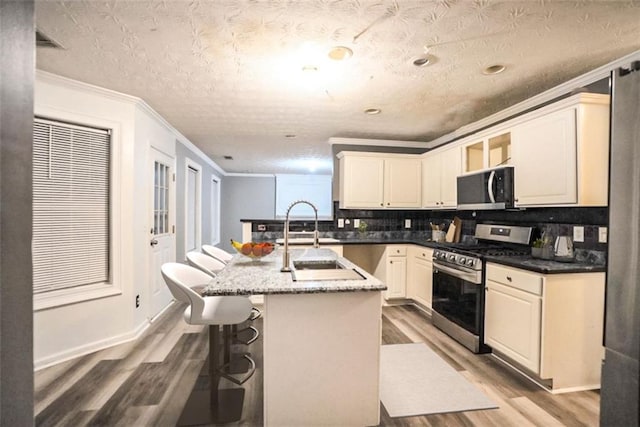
<point x="246" y="276"/>
<point x="583" y="264"/>
<point x="547" y="266"/>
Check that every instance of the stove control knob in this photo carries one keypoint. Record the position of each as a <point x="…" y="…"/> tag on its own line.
<point x="462" y="260"/>
<point x="470" y="262"/>
<point x="452" y="258"/>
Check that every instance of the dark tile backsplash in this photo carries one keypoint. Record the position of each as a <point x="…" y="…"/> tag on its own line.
<point x="390" y="223"/>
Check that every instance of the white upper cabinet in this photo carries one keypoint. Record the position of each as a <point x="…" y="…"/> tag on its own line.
<point x="379" y="180"/>
<point x="439" y="173"/>
<point x="486" y="152"/>
<point x="361" y="181"/>
<point x="560" y="153"/>
<point x="545" y="159"/>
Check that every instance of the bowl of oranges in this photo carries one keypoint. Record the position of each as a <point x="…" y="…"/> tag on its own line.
<point x="253" y="250"/>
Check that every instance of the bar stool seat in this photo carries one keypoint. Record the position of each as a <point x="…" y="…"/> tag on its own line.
<point x="217" y="253"/>
<point x="215" y="311"/>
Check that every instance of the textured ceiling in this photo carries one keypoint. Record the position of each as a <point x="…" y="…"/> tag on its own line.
<point x="229" y="74"/>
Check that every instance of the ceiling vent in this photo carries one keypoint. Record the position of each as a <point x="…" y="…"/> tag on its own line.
<point x="44" y="41"/>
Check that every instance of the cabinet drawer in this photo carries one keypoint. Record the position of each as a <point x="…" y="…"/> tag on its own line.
<point x="519" y="279"/>
<point x="396" y="251"/>
<point x="423" y="253"/>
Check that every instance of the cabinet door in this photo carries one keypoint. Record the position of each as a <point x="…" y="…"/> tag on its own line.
<point x="512" y="324"/>
<point x="420" y="280"/>
<point x="450" y="169"/>
<point x="431" y="181"/>
<point x="396" y="277"/>
<point x="544" y="156"/>
<point x="362" y="180"/>
<point x="402" y="183"/>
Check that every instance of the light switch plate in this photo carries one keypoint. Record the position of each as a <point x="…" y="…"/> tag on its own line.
<point x="407" y="223"/>
<point x="340" y="222"/>
<point x="356" y="223"/>
<point x="602" y="234"/>
<point x="578" y="234"/>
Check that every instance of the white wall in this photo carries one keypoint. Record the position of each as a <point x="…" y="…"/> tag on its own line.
<point x="108" y="317"/>
<point x="64" y="331"/>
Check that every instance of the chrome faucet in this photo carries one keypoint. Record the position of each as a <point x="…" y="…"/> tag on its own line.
<point x="316" y="244"/>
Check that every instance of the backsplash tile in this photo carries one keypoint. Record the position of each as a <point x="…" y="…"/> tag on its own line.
<point x="389" y="224"/>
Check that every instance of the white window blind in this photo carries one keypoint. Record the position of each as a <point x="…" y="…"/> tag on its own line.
<point x="71" y="177"/>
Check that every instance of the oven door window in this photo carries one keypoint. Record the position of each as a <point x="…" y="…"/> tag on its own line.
<point x="457" y="300"/>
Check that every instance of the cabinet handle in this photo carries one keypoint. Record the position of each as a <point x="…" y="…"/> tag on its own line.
<point x="390" y="262"/>
<point x="381" y="204"/>
<point x="388" y="203"/>
<point x="515" y="200"/>
<point x="509" y="278"/>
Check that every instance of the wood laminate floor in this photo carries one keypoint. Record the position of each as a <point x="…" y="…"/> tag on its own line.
<point x="147" y="382"/>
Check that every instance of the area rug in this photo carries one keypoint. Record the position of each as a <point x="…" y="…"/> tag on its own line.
<point x="416" y="381"/>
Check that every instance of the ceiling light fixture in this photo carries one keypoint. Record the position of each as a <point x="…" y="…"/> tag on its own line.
<point x="493" y="69"/>
<point x="340" y="53"/>
<point x="372" y="111"/>
<point x="422" y="62"/>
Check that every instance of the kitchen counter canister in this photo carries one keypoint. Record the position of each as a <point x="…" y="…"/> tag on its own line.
<point x="246" y="276"/>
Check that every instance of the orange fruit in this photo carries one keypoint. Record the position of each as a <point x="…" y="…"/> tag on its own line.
<point x="246" y="248"/>
<point x="257" y="250"/>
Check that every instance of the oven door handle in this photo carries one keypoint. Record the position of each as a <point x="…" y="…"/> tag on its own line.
<point x="470" y="276"/>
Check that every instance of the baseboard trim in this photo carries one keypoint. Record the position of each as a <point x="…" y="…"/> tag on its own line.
<point x="83" y="350"/>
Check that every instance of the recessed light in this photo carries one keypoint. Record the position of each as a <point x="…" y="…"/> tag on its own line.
<point x="372" y="111"/>
<point x="290" y="135"/>
<point x="340" y="53"/>
<point x="309" y="69"/>
<point x="493" y="69"/>
<point x="422" y="62"/>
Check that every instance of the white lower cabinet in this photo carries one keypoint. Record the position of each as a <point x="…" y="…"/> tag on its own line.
<point x="392" y="270"/>
<point x="549" y="325"/>
<point x="419" y="275"/>
<point x="512" y="324"/>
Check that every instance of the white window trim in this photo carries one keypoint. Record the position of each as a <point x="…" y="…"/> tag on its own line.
<point x="189" y="163"/>
<point x="113" y="287"/>
<point x="215" y="206"/>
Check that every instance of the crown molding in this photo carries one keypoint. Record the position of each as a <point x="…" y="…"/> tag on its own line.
<point x="51" y="78"/>
<point x="377" y="142"/>
<point x="537" y="100"/>
<point x="251" y="175"/>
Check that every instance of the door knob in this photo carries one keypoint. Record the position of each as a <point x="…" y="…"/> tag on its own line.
<point x="154" y="242"/>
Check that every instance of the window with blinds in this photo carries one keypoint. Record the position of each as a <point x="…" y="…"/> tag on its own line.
<point x="71" y="199"/>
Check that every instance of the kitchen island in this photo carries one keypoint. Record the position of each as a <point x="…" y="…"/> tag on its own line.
<point x="321" y="340"/>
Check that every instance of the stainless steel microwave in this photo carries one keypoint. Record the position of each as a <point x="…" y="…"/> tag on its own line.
<point x="487" y="189"/>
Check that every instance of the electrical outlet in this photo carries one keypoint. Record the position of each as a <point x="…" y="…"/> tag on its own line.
<point x="578" y="234"/>
<point x="340" y="222"/>
<point x="407" y="223"/>
<point x="356" y="223"/>
<point x="602" y="234"/>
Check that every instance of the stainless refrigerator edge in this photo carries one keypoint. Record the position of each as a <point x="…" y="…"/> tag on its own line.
<point x="619" y="392"/>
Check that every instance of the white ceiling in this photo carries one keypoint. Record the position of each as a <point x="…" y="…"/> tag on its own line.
<point x="228" y="73"/>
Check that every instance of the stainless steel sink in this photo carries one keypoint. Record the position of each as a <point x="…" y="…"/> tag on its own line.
<point x="330" y="264"/>
<point x="323" y="270"/>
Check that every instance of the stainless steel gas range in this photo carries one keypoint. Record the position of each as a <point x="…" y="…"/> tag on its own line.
<point x="458" y="280"/>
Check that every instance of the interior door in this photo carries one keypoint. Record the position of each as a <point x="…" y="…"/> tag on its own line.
<point x="162" y="229"/>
